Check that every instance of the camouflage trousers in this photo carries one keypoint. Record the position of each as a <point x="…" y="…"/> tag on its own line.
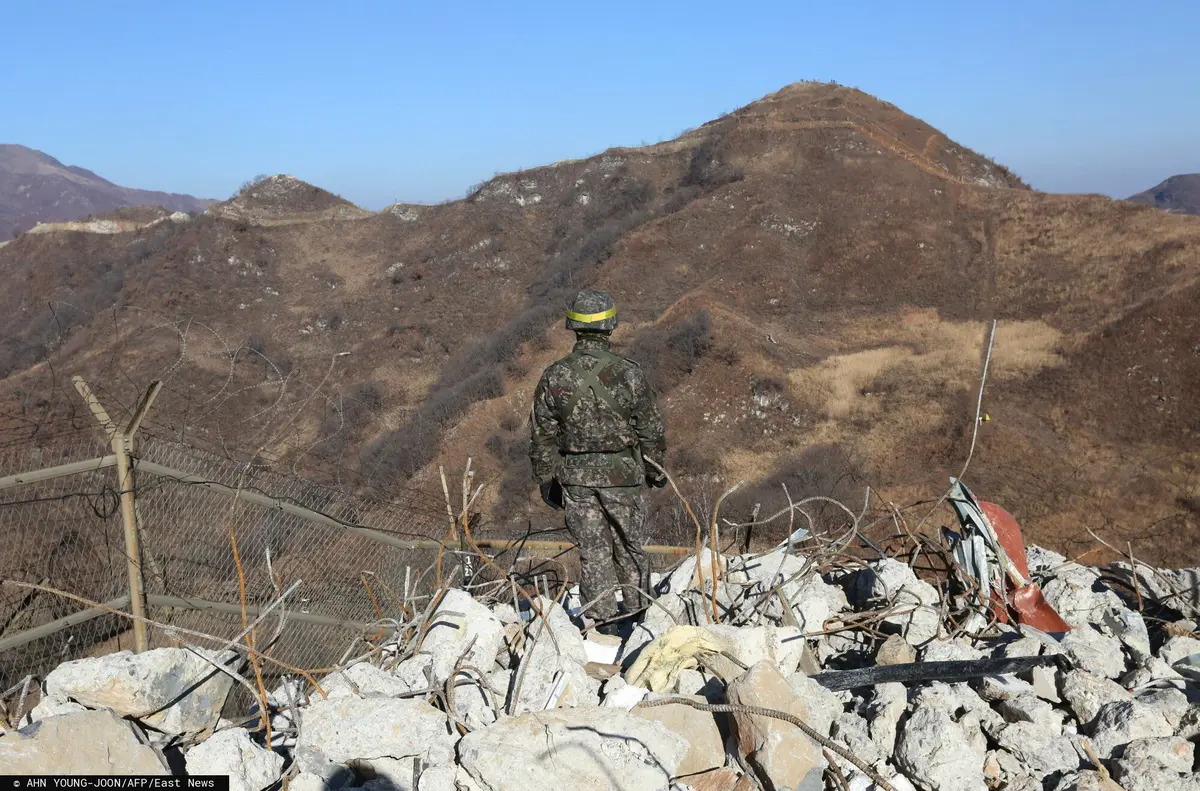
<point x="609" y="525"/>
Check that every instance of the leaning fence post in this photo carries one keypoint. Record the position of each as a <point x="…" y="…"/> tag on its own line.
<point x="122" y="445"/>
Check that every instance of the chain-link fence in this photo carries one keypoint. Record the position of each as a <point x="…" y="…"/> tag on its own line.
<point x="350" y="555"/>
<point x="356" y="559"/>
<point x="64" y="532"/>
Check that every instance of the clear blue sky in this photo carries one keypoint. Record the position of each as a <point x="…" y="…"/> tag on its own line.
<point x="415" y="101"/>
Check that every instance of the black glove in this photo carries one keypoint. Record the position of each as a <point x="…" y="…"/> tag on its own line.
<point x="655" y="479"/>
<point x="552" y="494"/>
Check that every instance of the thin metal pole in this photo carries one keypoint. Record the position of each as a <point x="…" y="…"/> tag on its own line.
<point x="122" y="445"/>
<point x="133" y="550"/>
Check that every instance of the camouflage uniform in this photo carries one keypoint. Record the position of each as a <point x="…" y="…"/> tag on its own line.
<point x="593" y="420"/>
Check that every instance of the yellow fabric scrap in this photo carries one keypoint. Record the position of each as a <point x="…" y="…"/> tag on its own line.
<point x="678" y="648"/>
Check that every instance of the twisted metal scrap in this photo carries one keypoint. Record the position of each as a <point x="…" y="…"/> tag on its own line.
<point x="808" y="730"/>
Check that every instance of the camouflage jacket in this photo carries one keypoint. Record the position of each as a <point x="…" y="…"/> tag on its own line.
<point x="589" y="436"/>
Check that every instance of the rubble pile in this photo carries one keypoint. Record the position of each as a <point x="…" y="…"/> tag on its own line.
<point x="726" y="687"/>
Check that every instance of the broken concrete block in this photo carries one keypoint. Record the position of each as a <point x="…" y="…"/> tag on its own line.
<point x="1123" y="721"/>
<point x="895" y="651"/>
<point x="814" y="602"/>
<point x="1094" y="652"/>
<point x="976" y="726"/>
<point x="993" y="688"/>
<point x="705" y="748"/>
<point x="1189" y="725"/>
<point x="884" y="711"/>
<point x="563" y="749"/>
<point x="552" y="680"/>
<point x="1170" y="702"/>
<point x="1040" y="559"/>
<point x="852" y="730"/>
<point x="170" y="689"/>
<point x="935" y="753"/>
<point x="84" y="743"/>
<point x="554" y="668"/>
<point x="457" y="621"/>
<point x="1130" y="628"/>
<point x="775" y="568"/>
<point x="474" y="704"/>
<point x="840" y="644"/>
<point x="1178" y="647"/>
<point x="954" y="699"/>
<point x="1149" y="773"/>
<point x="506" y="613"/>
<point x="347" y="729"/>
<point x="1086" y="693"/>
<point x="1178" y="589"/>
<point x="780" y="754"/>
<point x="52" y="706"/>
<point x="918" y="619"/>
<point x="1022" y="646"/>
<point x="623" y="696"/>
<point x="1002" y="769"/>
<point x="1044" y="681"/>
<point x="232" y="753"/>
<point x="438" y="778"/>
<point x="601" y="649"/>
<point x="949" y="651"/>
<point x="1176" y="753"/>
<point x="690" y="681"/>
<point x="1160" y="670"/>
<point x="779" y="645"/>
<point x="822" y="705"/>
<point x="1079" y="596"/>
<point x="415" y="672"/>
<point x="1030" y="708"/>
<point x="367" y="681"/>
<point x="1041" y="750"/>
<point x="567" y="638"/>
<point x="683" y="578"/>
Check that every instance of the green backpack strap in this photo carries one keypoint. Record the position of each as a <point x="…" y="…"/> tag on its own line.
<point x="590" y="379"/>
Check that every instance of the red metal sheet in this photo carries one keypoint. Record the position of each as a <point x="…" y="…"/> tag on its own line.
<point x="1030" y="605"/>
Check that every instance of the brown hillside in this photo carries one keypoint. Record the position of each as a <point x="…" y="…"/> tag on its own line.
<point x="1180" y="194"/>
<point x="809" y="279"/>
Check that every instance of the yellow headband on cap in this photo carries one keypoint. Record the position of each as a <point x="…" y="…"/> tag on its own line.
<point x="588" y="318"/>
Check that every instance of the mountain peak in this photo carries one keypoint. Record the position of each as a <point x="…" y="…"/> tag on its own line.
<point x="1178" y="194"/>
<point x="282" y="197"/>
<point x="37" y="188"/>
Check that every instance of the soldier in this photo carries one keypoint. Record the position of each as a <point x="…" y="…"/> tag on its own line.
<point x="594" y="419"/>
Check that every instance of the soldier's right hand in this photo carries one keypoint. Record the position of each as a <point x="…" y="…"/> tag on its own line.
<point x="655" y="479"/>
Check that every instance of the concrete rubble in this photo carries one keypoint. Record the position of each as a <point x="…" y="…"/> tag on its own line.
<point x="486" y="695"/>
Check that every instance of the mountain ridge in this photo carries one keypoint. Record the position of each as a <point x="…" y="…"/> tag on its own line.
<point x="37" y="188"/>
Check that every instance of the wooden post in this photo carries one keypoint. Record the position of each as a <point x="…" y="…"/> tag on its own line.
<point x="122" y="445"/>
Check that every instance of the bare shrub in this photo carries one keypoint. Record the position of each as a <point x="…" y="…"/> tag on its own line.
<point x="495" y="445"/>
<point x="826" y="470"/>
<point x="708" y="168"/>
<point x="252" y="183"/>
<point x="347" y="419"/>
<point x="670" y="355"/>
